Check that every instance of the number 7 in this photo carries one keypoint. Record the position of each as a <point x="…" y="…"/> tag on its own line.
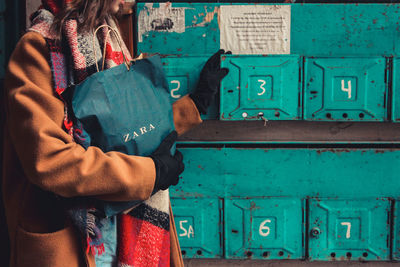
<point x="348" y="224"/>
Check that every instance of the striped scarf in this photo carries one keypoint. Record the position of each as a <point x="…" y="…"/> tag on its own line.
<point x="143" y="234"/>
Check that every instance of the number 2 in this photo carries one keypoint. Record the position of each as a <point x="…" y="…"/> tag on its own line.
<point x="178" y="86"/>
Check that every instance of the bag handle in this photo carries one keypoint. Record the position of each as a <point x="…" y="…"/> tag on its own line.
<point x="118" y="37"/>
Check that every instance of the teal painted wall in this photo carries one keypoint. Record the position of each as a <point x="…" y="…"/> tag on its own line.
<point x="318" y="201"/>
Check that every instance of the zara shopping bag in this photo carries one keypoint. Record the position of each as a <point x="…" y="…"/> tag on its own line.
<point x="126" y="108"/>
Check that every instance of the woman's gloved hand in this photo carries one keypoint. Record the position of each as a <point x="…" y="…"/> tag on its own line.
<point x="168" y="167"/>
<point x="210" y="81"/>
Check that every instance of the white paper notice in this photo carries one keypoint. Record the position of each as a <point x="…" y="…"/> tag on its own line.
<point x="255" y="29"/>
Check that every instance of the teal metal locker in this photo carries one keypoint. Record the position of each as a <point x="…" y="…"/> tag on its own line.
<point x="299" y="157"/>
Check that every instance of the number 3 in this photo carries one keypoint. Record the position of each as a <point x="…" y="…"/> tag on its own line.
<point x="262" y="87"/>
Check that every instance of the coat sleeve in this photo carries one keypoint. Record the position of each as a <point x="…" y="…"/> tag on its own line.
<point x="48" y="155"/>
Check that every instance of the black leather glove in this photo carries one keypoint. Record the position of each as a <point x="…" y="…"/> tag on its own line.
<point x="210" y="82"/>
<point x="168" y="167"/>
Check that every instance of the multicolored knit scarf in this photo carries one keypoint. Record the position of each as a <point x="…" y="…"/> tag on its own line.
<point x="143" y="233"/>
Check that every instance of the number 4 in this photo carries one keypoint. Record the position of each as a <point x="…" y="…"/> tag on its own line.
<point x="348" y="89"/>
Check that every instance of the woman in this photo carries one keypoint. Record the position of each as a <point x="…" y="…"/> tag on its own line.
<point x="45" y="170"/>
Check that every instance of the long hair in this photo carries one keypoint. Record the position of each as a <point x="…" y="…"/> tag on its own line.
<point x="88" y="13"/>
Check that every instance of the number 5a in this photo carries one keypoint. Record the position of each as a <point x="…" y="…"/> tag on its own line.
<point x="186" y="232"/>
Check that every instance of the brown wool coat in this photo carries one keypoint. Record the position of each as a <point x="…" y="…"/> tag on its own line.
<point x="40" y="159"/>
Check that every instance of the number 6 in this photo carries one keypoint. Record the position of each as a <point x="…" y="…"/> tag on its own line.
<point x="263" y="227"/>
